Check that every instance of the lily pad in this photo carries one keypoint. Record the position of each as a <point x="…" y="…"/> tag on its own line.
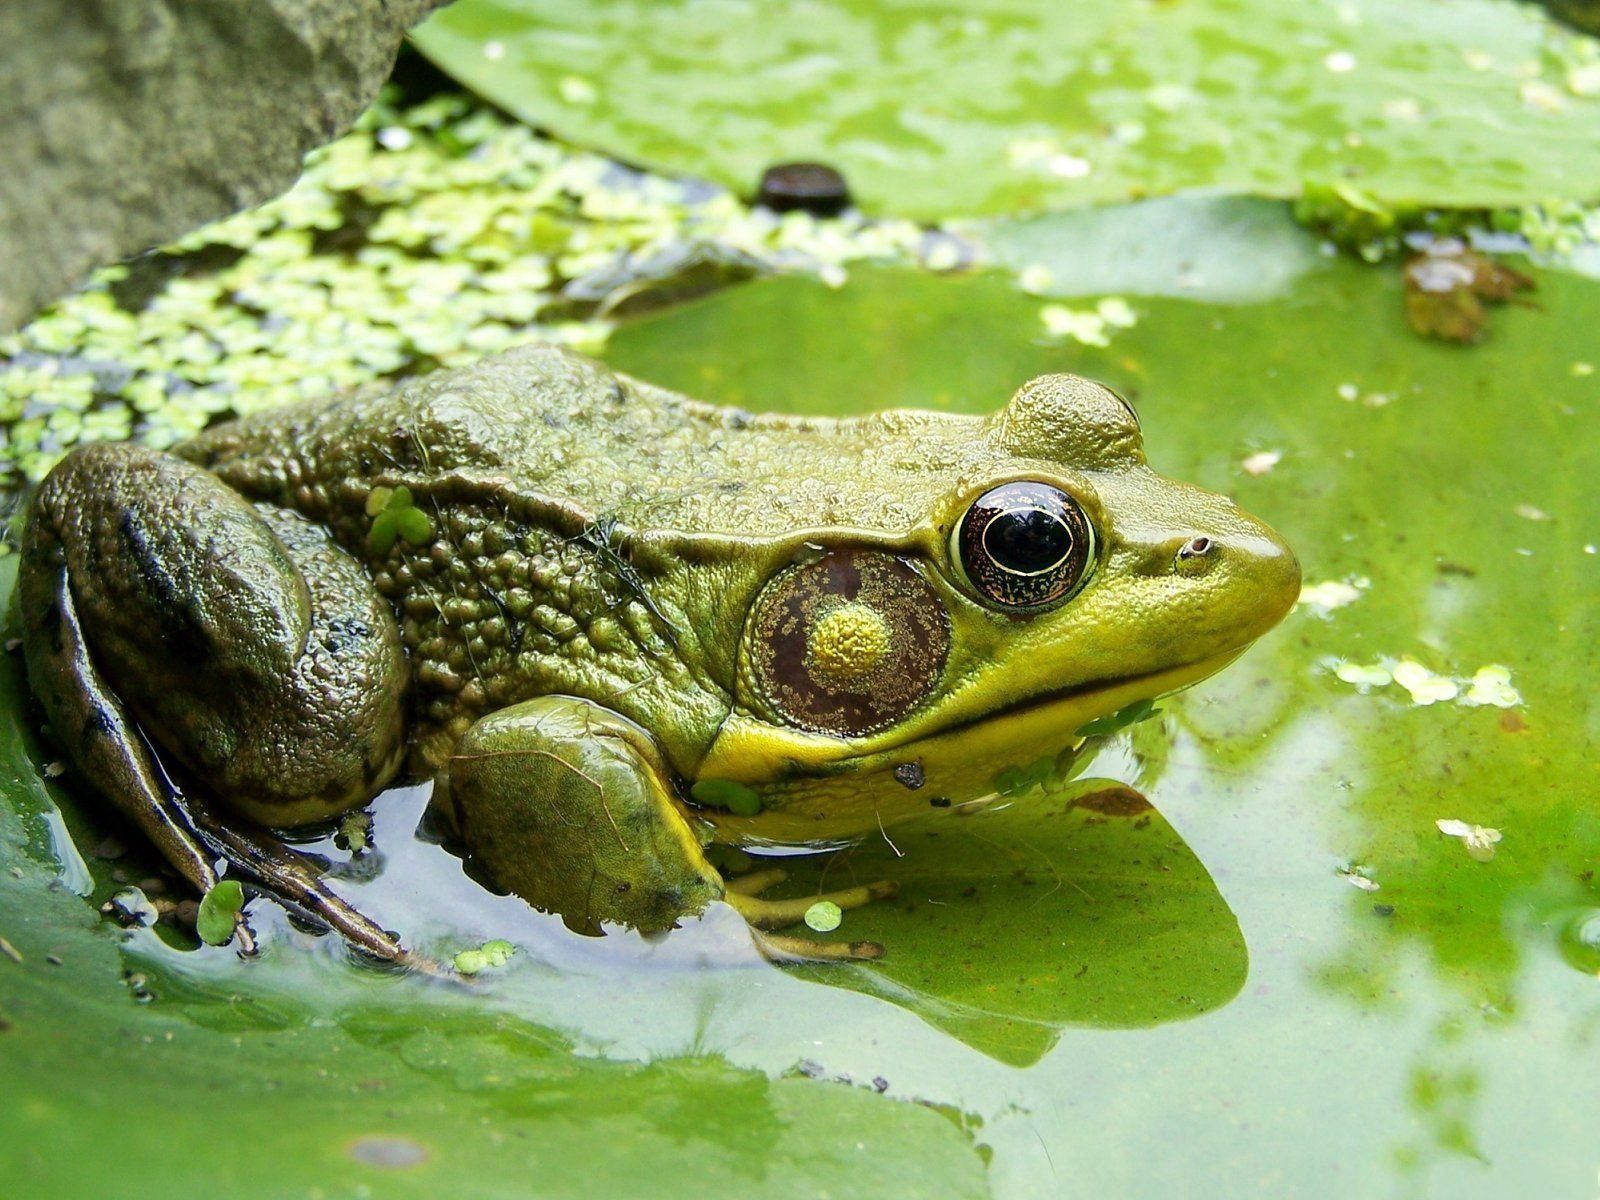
<point x="1015" y="923"/>
<point x="1019" y="106"/>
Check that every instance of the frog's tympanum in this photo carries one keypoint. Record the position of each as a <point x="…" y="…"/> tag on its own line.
<point x="613" y="624"/>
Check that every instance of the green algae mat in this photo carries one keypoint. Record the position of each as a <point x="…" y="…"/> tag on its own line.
<point x="1327" y="924"/>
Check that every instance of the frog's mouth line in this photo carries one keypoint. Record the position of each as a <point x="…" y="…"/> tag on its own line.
<point x="1047" y="709"/>
<point x="743" y="752"/>
<point x="1180" y="678"/>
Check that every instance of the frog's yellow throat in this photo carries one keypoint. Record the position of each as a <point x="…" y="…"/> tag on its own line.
<point x="848" y="643"/>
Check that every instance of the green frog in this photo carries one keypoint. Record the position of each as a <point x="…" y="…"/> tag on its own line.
<point x="615" y="625"/>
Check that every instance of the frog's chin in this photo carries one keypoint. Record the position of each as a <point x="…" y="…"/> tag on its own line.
<point x="754" y="753"/>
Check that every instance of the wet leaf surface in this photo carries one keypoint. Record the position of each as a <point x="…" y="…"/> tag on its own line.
<point x="932" y="109"/>
<point x="121" y="1056"/>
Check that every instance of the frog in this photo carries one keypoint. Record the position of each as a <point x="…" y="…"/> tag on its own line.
<point x="618" y="628"/>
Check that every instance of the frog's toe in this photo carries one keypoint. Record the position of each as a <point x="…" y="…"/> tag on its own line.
<point x="775" y="914"/>
<point x="778" y="948"/>
<point x="753" y="883"/>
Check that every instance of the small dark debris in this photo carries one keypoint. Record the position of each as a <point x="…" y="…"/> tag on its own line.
<point x="1511" y="721"/>
<point x="880" y="1084"/>
<point x="138" y="984"/>
<point x="939" y="801"/>
<point x="810" y="1068"/>
<point x="108" y="848"/>
<point x="810" y="187"/>
<point x="1081" y="971"/>
<point x="970" y="890"/>
<point x="1383" y="910"/>
<point x="1445" y="567"/>
<point x="909" y="774"/>
<point x="53" y="959"/>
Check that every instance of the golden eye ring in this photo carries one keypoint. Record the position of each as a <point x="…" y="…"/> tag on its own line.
<point x="1024" y="546"/>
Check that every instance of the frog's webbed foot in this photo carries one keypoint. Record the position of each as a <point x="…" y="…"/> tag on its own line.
<point x="292" y="880"/>
<point x="776" y="914"/>
<point x="255" y="655"/>
<point x="754" y="882"/>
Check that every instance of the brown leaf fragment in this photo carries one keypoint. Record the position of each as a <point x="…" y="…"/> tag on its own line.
<point x="1447" y="285"/>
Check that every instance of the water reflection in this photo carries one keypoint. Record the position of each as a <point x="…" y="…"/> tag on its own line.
<point x="1065" y="904"/>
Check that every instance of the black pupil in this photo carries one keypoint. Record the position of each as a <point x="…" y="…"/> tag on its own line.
<point x="1027" y="540"/>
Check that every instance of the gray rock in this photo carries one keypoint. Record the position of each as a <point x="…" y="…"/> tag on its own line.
<point x="129" y="122"/>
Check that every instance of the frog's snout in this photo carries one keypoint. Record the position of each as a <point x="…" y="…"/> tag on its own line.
<point x="1248" y="576"/>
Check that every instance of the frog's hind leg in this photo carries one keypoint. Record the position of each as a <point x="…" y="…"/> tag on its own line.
<point x="166" y="619"/>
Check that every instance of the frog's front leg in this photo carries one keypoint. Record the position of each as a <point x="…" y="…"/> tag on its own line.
<point x="169" y="622"/>
<point x="572" y="807"/>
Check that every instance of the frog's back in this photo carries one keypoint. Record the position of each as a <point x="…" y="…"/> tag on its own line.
<point x="541" y="422"/>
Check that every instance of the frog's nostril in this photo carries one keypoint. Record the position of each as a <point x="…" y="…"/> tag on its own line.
<point x="1196" y="555"/>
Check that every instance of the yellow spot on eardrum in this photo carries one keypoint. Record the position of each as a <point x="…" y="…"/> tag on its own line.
<point x="847" y="644"/>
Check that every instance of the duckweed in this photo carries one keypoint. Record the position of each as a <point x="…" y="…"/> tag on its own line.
<point x="429" y="236"/>
<point x="494" y="953"/>
<point x="394" y="516"/>
<point x="219" y="912"/>
<point x="824" y="916"/>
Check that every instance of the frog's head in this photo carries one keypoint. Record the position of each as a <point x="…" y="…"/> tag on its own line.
<point x="1053" y="569"/>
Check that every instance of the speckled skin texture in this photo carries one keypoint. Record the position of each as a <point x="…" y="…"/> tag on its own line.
<point x="594" y="546"/>
<point x="519" y="456"/>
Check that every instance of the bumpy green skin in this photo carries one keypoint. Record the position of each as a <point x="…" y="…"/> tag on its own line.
<point x="599" y="542"/>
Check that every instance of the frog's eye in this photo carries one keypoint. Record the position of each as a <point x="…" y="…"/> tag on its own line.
<point x="1024" y="545"/>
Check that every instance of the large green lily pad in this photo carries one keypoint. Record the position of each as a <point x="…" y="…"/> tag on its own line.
<point x="1283" y="975"/>
<point x="1018" y="105"/>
